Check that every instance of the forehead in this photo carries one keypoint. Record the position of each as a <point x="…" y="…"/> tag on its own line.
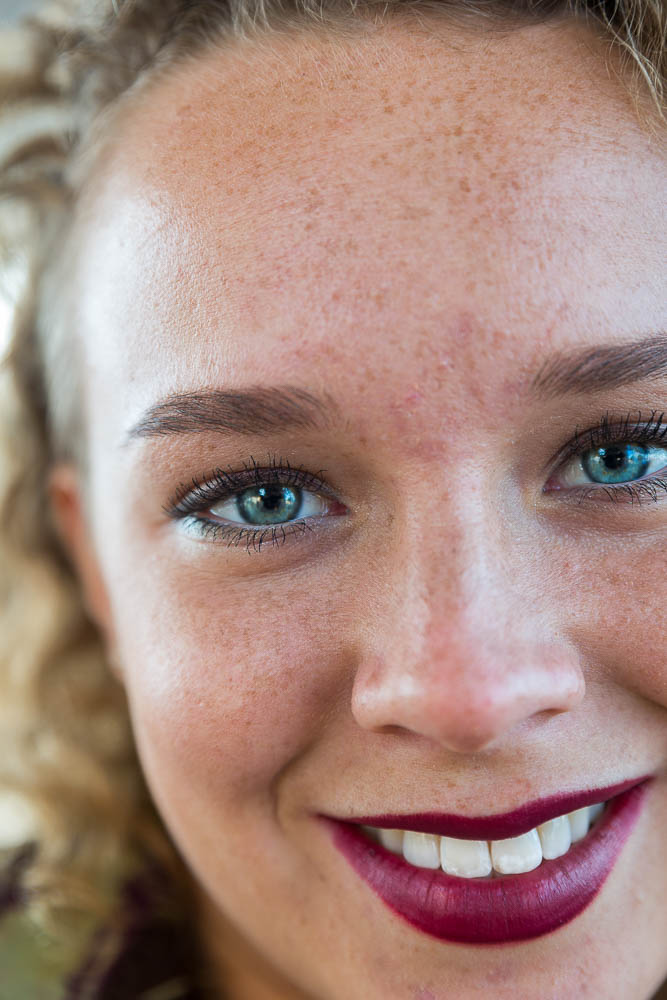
<point x="276" y="203"/>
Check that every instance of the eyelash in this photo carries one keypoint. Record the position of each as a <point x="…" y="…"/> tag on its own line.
<point x="200" y="494"/>
<point x="608" y="432"/>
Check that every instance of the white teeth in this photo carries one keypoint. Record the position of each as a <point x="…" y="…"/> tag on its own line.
<point x="596" y="811"/>
<point x="466" y="858"/>
<point x="479" y="858"/>
<point x="555" y="837"/>
<point x="392" y="840"/>
<point x="517" y="854"/>
<point x="421" y="849"/>
<point x="579" y="823"/>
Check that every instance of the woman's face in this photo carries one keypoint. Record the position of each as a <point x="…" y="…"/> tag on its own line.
<point x="343" y="305"/>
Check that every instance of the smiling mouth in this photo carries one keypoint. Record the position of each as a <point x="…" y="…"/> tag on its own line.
<point x="497" y="879"/>
<point x="489" y="858"/>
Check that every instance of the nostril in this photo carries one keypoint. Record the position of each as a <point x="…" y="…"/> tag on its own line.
<point x="466" y="706"/>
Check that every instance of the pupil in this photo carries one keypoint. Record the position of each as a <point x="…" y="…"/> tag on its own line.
<point x="613" y="458"/>
<point x="617" y="464"/>
<point x="272" y="504"/>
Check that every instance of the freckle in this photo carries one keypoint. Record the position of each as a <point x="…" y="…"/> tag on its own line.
<point x="458" y="130"/>
<point x="389" y="109"/>
<point x="464" y="184"/>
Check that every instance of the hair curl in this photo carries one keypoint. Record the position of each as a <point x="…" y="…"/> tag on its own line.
<point x="66" y="749"/>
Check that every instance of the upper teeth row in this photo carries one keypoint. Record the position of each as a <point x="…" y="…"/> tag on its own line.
<point x="477" y="858"/>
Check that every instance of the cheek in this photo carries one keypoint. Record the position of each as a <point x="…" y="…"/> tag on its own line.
<point x="227" y="683"/>
<point x="614" y="595"/>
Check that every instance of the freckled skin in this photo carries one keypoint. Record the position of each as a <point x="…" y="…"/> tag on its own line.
<point x="411" y="226"/>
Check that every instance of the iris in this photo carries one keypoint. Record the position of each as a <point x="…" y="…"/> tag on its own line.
<point x="271" y="504"/>
<point x="618" y="463"/>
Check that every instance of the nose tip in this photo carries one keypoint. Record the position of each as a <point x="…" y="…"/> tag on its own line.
<point x="467" y="708"/>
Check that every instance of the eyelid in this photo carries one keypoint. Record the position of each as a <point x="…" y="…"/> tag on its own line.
<point x="610" y="430"/>
<point x="651" y="433"/>
<point x="592" y="485"/>
<point x="190" y="505"/>
<point x="219" y="485"/>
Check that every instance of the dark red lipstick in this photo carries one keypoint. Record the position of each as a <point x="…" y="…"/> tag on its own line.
<point x="500" y="908"/>
<point x="500" y="825"/>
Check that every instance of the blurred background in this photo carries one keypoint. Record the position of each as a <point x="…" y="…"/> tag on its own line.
<point x="10" y="10"/>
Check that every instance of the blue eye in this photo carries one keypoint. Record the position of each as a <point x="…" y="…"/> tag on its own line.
<point x="269" y="504"/>
<point x="613" y="464"/>
<point x="254" y="507"/>
<point x="618" y="463"/>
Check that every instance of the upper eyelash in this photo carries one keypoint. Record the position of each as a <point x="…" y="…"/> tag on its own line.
<point x="625" y="431"/>
<point x="609" y="431"/>
<point x="199" y="494"/>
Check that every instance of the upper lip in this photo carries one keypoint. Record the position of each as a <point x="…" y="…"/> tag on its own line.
<point x="497" y="826"/>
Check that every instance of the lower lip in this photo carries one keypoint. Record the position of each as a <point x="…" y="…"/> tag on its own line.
<point x="500" y="909"/>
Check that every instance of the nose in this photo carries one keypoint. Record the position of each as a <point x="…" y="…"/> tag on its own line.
<point x="469" y="699"/>
<point x="464" y="671"/>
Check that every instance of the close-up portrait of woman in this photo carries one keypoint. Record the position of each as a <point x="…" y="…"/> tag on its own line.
<point x="333" y="500"/>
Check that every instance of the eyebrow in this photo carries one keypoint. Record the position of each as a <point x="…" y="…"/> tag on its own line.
<point x="262" y="410"/>
<point x="257" y="410"/>
<point x="607" y="366"/>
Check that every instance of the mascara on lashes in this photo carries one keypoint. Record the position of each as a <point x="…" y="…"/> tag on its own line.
<point x="197" y="496"/>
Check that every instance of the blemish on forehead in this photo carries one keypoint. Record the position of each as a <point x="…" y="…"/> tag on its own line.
<point x="463" y="327"/>
<point x="408" y="403"/>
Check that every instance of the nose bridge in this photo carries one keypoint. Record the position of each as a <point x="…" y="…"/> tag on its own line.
<point x="469" y="584"/>
<point x="467" y="649"/>
<point x="482" y="592"/>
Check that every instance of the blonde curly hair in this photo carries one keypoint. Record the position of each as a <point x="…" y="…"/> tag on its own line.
<point x="67" y="763"/>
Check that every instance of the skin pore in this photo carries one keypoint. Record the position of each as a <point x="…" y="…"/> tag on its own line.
<point x="407" y="226"/>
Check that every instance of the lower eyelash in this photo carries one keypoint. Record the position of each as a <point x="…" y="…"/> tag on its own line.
<point x="639" y="492"/>
<point x="627" y="430"/>
<point x="252" y="539"/>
